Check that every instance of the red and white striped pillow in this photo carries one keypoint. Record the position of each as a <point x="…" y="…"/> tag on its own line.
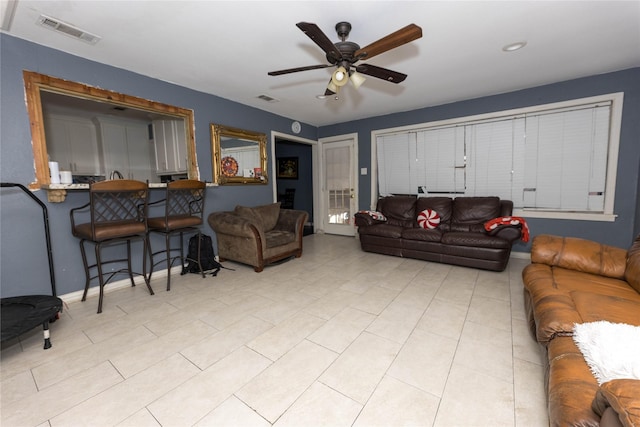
<point x="428" y="219"/>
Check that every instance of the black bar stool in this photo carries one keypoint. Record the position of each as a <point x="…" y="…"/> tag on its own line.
<point x="184" y="210"/>
<point x="118" y="213"/>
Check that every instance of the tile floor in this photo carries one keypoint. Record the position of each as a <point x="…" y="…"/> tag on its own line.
<point x="338" y="337"/>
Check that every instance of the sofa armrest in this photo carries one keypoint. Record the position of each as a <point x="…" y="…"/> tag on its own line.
<point x="580" y="255"/>
<point x="623" y="396"/>
<point x="366" y="218"/>
<point x="510" y="233"/>
<point x="363" y="220"/>
<point x="234" y="225"/>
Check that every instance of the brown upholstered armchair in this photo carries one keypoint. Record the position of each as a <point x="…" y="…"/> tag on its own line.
<point x="259" y="235"/>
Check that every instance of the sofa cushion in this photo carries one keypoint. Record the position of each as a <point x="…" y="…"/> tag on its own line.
<point x="265" y="216"/>
<point x="474" y="210"/>
<point x="442" y="205"/>
<point x="579" y="255"/>
<point x="421" y="234"/>
<point x="622" y="396"/>
<point x="476" y="240"/>
<point x="560" y="298"/>
<point x="382" y="230"/>
<point x="596" y="307"/>
<point x="632" y="271"/>
<point x="399" y="210"/>
<point x="277" y="238"/>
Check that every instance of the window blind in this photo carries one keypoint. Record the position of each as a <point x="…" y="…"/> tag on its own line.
<point x="393" y="164"/>
<point x="552" y="159"/>
<point x="565" y="160"/>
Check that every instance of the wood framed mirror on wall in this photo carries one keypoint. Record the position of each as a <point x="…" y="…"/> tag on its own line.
<point x="163" y="120"/>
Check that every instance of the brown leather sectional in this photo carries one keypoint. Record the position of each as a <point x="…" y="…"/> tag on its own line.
<point x="460" y="238"/>
<point x="572" y="281"/>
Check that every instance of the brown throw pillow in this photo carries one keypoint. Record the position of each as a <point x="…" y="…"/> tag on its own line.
<point x="249" y="214"/>
<point x="265" y="217"/>
<point x="269" y="215"/>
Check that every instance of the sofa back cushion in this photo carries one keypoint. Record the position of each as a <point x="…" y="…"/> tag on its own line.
<point x="632" y="272"/>
<point x="470" y="213"/>
<point x="399" y="210"/>
<point x="576" y="254"/>
<point x="442" y="205"/>
<point x="265" y="216"/>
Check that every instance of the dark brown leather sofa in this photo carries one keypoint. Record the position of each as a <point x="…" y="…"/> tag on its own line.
<point x="573" y="281"/>
<point x="459" y="239"/>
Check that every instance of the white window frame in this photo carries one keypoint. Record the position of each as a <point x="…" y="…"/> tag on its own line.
<point x="607" y="215"/>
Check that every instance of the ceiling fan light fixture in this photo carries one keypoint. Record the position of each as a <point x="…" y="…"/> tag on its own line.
<point x="332" y="87"/>
<point x="340" y="77"/>
<point x="357" y="79"/>
<point x="344" y="55"/>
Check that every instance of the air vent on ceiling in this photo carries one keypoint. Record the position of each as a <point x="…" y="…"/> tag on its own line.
<point x="267" y="98"/>
<point x="70" y="30"/>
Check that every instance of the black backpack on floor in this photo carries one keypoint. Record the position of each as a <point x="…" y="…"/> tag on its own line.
<point x="207" y="256"/>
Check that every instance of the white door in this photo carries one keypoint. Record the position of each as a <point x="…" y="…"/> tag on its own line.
<point x="339" y="193"/>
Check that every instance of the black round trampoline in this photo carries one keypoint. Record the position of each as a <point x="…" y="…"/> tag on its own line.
<point x="20" y="314"/>
<point x="23" y="313"/>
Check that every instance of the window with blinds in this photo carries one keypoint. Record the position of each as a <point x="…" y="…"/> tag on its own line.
<point x="552" y="157"/>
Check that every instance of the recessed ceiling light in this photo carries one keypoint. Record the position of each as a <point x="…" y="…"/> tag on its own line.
<point x="514" y="46"/>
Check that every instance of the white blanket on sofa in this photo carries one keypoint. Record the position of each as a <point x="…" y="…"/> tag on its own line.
<point x="612" y="350"/>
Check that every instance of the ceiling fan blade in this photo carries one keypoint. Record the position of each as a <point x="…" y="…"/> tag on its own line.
<point x="402" y="36"/>
<point x="321" y="39"/>
<point x="381" y="73"/>
<point x="295" y="70"/>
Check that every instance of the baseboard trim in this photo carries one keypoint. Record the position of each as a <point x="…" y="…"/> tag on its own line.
<point x="521" y="255"/>
<point x="113" y="286"/>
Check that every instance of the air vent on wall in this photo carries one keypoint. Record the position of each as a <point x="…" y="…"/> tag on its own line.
<point x="69" y="30"/>
<point x="267" y="98"/>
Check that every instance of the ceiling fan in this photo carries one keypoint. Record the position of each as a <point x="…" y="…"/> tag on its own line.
<point x="343" y="55"/>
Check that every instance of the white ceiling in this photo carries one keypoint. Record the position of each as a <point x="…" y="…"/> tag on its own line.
<point x="226" y="48"/>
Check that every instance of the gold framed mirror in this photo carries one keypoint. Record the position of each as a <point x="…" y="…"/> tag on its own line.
<point x="238" y="156"/>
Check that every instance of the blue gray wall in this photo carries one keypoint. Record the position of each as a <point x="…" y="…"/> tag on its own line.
<point x="23" y="262"/>
<point x="627" y="203"/>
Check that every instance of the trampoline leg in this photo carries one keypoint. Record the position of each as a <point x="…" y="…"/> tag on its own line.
<point x="47" y="341"/>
